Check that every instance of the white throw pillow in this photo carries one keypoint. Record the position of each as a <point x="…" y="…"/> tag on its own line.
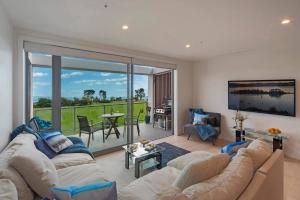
<point x="38" y="171"/>
<point x="182" y="161"/>
<point x="228" y="185"/>
<point x="259" y="151"/>
<point x="199" y="171"/>
<point x="8" y="190"/>
<point x="7" y="172"/>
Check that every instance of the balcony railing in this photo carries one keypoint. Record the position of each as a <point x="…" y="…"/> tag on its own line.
<point x="69" y="123"/>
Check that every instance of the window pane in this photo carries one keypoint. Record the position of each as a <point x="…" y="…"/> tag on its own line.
<point x="42" y="92"/>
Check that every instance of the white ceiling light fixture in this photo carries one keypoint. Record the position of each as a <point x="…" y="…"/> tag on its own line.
<point x="285" y="21"/>
<point x="187" y="46"/>
<point x="125" y="27"/>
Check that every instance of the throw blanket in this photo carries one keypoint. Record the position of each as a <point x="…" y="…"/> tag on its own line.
<point x="205" y="131"/>
<point x="77" y="147"/>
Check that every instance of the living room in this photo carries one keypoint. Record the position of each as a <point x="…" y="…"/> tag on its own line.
<point x="197" y="50"/>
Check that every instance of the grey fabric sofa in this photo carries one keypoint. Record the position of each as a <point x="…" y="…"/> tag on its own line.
<point x="191" y="129"/>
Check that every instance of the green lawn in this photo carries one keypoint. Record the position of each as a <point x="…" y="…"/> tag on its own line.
<point x="93" y="112"/>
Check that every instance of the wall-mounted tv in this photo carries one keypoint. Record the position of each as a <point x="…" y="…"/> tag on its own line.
<point x="264" y="96"/>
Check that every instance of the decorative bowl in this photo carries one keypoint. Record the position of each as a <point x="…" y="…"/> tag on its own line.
<point x="133" y="147"/>
<point x="145" y="141"/>
<point x="274" y="131"/>
<point x="150" y="146"/>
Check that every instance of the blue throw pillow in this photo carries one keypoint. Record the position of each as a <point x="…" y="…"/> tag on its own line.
<point x="231" y="149"/>
<point x="23" y="129"/>
<point x="43" y="124"/>
<point x="56" y="141"/>
<point x="193" y="111"/>
<point x="199" y="118"/>
<point x="99" y="191"/>
<point x="42" y="146"/>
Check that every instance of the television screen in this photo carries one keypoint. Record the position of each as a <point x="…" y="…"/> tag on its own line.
<point x="264" y="96"/>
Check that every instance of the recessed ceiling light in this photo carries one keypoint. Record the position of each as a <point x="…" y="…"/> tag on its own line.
<point x="125" y="27"/>
<point x="285" y="21"/>
<point x="187" y="46"/>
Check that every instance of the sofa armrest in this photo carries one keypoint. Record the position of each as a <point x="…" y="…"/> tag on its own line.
<point x="253" y="191"/>
<point x="268" y="180"/>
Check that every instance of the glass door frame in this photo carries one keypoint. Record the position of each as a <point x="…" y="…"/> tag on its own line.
<point x="56" y="96"/>
<point x="65" y="51"/>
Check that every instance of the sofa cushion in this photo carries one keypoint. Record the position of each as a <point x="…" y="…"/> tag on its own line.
<point x="7" y="172"/>
<point x="226" y="186"/>
<point x="199" y="119"/>
<point x="22" y="139"/>
<point x="56" y="140"/>
<point x="8" y="190"/>
<point x="260" y="151"/>
<point x="153" y="186"/>
<point x="182" y="161"/>
<point x="81" y="175"/>
<point x="43" y="147"/>
<point x="199" y="171"/>
<point x="71" y="159"/>
<point x="38" y="171"/>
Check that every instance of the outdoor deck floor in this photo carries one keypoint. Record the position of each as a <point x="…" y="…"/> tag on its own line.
<point x="147" y="132"/>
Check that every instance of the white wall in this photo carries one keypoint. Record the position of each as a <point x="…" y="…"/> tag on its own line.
<point x="210" y="88"/>
<point x="6" y="66"/>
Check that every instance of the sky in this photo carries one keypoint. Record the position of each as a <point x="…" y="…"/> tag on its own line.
<point x="74" y="82"/>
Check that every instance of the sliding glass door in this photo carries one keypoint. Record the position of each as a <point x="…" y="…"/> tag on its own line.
<point x="104" y="99"/>
<point x="82" y="97"/>
<point x="97" y="91"/>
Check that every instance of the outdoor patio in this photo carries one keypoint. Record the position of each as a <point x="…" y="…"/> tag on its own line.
<point x="147" y="132"/>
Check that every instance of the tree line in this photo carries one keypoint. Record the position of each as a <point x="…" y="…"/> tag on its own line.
<point x="88" y="98"/>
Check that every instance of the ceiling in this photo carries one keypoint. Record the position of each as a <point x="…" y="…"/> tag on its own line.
<point x="211" y="27"/>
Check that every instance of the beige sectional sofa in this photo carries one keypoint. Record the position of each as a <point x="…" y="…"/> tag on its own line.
<point x="71" y="169"/>
<point x="253" y="174"/>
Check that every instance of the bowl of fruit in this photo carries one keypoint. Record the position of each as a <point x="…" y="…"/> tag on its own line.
<point x="274" y="131"/>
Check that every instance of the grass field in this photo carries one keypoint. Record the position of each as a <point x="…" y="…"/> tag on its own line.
<point x="69" y="122"/>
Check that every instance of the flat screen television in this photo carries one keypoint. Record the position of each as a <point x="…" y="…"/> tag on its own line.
<point x="264" y="96"/>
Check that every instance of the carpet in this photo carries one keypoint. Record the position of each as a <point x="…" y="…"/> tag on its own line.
<point x="171" y="152"/>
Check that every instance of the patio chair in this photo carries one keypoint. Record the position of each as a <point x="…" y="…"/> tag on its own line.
<point x="135" y="122"/>
<point x="90" y="128"/>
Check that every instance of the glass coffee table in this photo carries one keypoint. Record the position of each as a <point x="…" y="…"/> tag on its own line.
<point x="143" y="159"/>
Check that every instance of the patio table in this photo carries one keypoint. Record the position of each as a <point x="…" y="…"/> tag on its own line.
<point x="113" y="118"/>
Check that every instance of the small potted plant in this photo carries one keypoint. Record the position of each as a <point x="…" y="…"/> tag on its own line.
<point x="239" y="120"/>
<point x="147" y="116"/>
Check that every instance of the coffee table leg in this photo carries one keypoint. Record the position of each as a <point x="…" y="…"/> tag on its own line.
<point x="137" y="168"/>
<point x="126" y="160"/>
<point x="159" y="160"/>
